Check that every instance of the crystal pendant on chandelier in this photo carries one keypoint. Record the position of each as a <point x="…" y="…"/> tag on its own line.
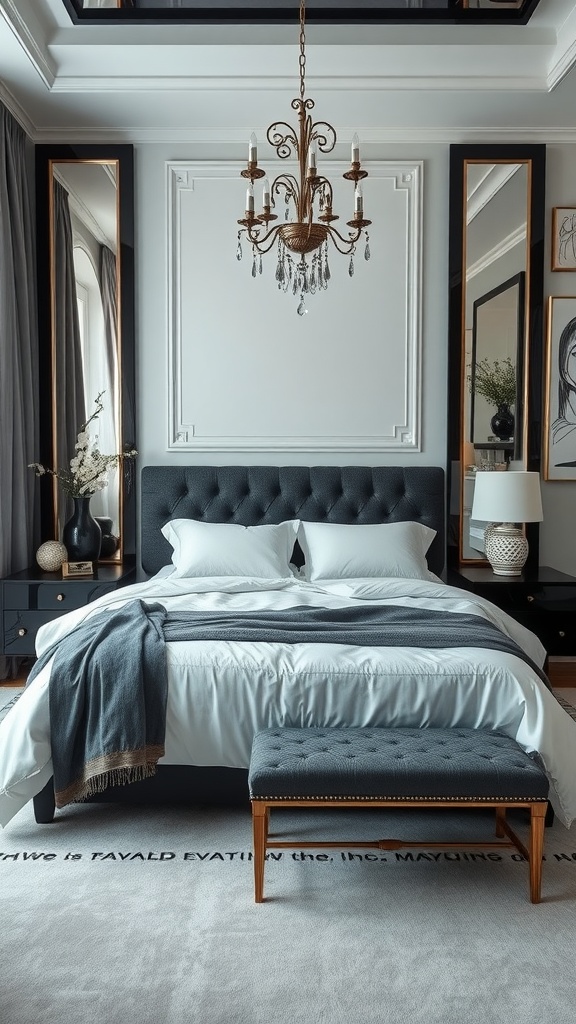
<point x="302" y="236"/>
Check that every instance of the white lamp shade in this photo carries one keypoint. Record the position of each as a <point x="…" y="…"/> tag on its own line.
<point x="510" y="497"/>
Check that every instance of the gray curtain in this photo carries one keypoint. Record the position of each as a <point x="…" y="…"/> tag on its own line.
<point x="108" y="291"/>
<point x="71" y="405"/>
<point x="19" y="433"/>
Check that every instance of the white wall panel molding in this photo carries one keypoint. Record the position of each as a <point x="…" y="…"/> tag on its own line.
<point x="245" y="373"/>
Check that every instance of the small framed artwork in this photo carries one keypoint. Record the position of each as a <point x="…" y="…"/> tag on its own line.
<point x="77" y="569"/>
<point x="564" y="238"/>
<point x="559" y="442"/>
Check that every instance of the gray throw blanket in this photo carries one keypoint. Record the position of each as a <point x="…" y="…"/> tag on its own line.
<point x="107" y="698"/>
<point x="108" y="682"/>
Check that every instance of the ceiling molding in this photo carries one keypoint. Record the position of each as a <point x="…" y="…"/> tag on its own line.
<point x="17" y="112"/>
<point x="81" y="210"/>
<point x="341" y="83"/>
<point x="34" y="48"/>
<point x="564" y="57"/>
<point x="439" y="135"/>
<point x="492" y="181"/>
<point x="504" y="246"/>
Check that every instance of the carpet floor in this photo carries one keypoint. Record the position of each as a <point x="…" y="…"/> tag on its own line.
<point x="146" y="916"/>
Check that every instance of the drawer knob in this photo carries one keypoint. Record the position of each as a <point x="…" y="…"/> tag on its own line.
<point x="60" y="597"/>
<point x="22" y="631"/>
<point x="530" y="597"/>
<point x="561" y="632"/>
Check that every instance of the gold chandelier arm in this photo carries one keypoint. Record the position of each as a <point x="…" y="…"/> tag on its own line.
<point x="290" y="185"/>
<point x="348" y="244"/>
<point x="283" y="141"/>
<point x="259" y="242"/>
<point x="325" y="140"/>
<point x="320" y="183"/>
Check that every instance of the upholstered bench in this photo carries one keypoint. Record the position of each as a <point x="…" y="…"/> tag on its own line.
<point x="381" y="767"/>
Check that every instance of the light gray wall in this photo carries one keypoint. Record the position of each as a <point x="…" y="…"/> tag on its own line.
<point x="557" y="547"/>
<point x="152" y="312"/>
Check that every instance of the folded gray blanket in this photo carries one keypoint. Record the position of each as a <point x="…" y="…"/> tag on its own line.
<point x="108" y="682"/>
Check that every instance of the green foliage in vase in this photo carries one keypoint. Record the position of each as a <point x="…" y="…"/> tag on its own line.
<point x="496" y="381"/>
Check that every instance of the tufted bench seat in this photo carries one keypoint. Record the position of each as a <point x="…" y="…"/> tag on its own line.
<point x="395" y="767"/>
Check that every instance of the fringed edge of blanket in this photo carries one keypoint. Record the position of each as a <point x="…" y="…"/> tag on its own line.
<point x="118" y="769"/>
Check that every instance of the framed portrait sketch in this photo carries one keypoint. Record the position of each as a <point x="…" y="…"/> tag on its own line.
<point x="560" y="390"/>
<point x="564" y="238"/>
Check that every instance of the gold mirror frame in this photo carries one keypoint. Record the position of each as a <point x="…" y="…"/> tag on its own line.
<point x="100" y="205"/>
<point x="488" y="254"/>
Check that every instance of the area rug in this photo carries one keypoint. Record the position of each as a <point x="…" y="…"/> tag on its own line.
<point x="139" y="916"/>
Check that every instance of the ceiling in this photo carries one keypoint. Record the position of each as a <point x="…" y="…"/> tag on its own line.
<point x="211" y="84"/>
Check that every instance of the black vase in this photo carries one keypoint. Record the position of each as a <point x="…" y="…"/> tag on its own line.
<point x="81" y="535"/>
<point x="109" y="541"/>
<point x="502" y="423"/>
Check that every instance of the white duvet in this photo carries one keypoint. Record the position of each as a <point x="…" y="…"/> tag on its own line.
<point x="219" y="694"/>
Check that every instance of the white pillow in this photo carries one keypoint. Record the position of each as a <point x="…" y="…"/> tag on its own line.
<point x="226" y="549"/>
<point x="334" y="551"/>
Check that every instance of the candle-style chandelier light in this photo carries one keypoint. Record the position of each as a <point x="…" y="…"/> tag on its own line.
<point x="308" y="224"/>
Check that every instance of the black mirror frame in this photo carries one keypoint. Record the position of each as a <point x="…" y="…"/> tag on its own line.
<point x="124" y="154"/>
<point x="536" y="153"/>
<point x="344" y="14"/>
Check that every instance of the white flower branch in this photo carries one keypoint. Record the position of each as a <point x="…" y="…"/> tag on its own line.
<point x="88" y="471"/>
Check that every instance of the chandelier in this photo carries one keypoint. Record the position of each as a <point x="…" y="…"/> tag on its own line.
<point x="308" y="224"/>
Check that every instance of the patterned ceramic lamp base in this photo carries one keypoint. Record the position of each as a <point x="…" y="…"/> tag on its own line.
<point x="506" y="549"/>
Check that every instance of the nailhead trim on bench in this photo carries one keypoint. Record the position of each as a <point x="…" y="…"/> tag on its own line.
<point x="452" y="799"/>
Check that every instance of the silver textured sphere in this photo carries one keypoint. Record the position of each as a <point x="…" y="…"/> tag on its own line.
<point x="50" y="555"/>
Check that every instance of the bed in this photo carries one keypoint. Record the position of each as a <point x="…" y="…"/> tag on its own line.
<point x="221" y="691"/>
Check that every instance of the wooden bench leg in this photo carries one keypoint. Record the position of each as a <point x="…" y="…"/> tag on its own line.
<point x="500" y="819"/>
<point x="537" y="821"/>
<point x="260" y="819"/>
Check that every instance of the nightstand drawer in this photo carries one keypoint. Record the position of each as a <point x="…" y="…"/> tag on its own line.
<point x="65" y="596"/>
<point x="59" y="596"/>
<point x="556" y="631"/>
<point x="20" y="630"/>
<point x="17" y="595"/>
<point x="559" y="634"/>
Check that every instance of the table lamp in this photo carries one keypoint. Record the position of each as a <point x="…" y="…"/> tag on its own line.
<point x="505" y="500"/>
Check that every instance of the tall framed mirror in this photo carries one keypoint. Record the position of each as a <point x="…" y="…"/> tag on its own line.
<point x="85" y="232"/>
<point x="496" y="268"/>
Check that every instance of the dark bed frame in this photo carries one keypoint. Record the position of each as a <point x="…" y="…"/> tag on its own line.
<point x="251" y="496"/>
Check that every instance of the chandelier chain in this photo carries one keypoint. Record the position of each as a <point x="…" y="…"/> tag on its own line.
<point x="302" y="59"/>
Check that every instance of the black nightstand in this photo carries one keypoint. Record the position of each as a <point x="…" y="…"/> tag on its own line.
<point x="544" y="601"/>
<point x="30" y="598"/>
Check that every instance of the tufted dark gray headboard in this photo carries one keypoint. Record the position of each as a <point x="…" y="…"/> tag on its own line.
<point x="252" y="495"/>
